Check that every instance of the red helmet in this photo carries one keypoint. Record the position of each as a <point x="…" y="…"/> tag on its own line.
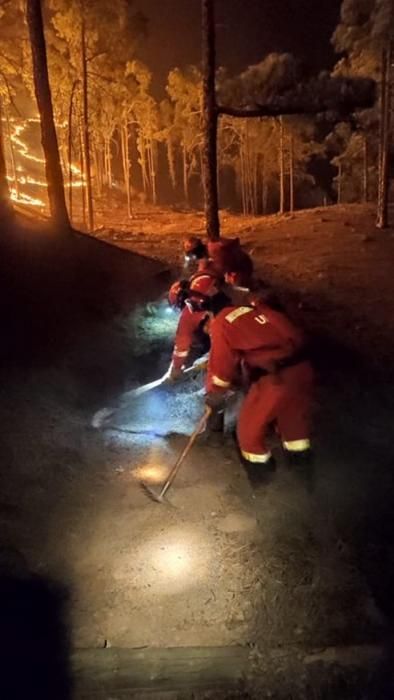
<point x="178" y="294"/>
<point x="204" y="285"/>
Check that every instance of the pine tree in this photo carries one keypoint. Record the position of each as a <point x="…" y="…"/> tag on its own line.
<point x="4" y="191"/>
<point x="54" y="175"/>
<point x="365" y="28"/>
<point x="210" y="121"/>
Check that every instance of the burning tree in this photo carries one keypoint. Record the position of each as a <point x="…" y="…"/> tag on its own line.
<point x="111" y="129"/>
<point x="96" y="39"/>
<point x="11" y="70"/>
<point x="54" y="175"/>
<point x="4" y="192"/>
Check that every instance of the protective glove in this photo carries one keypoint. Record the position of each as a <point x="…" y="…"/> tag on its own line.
<point x="216" y="400"/>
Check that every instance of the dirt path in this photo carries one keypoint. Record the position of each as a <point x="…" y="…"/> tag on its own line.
<point x="218" y="566"/>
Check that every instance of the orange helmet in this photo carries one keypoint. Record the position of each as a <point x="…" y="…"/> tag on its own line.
<point x="178" y="294"/>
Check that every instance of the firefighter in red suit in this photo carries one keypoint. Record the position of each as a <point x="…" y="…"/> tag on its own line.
<point x="225" y="256"/>
<point x="194" y="315"/>
<point x="267" y="344"/>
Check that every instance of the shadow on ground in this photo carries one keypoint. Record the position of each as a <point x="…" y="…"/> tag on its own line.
<point x="34" y="643"/>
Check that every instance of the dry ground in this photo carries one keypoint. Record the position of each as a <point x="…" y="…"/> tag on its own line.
<point x="283" y="569"/>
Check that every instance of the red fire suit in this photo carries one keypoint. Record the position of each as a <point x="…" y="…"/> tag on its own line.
<point x="189" y="327"/>
<point x="270" y="347"/>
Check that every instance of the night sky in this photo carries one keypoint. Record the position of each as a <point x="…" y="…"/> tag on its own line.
<point x="247" y="30"/>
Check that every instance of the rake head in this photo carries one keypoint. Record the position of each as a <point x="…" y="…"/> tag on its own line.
<point x="154" y="496"/>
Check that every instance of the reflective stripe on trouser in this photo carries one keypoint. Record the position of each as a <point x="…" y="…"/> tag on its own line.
<point x="255" y="458"/>
<point x="297" y="445"/>
<point x="287" y="404"/>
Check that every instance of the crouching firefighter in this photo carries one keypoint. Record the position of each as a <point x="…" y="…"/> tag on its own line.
<point x="265" y="343"/>
<point x="191" y="337"/>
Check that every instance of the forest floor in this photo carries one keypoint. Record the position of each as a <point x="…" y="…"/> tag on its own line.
<point x="282" y="571"/>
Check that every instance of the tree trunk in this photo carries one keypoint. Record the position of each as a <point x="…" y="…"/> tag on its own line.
<point x="126" y="165"/>
<point x="83" y="173"/>
<point x="141" y="146"/>
<point x="171" y="161"/>
<point x="265" y="197"/>
<point x="185" y="175"/>
<point x="210" y="120"/>
<point x="291" y="171"/>
<point x="4" y="192"/>
<point x="70" y="147"/>
<point x="127" y="135"/>
<point x="12" y="152"/>
<point x="281" y="167"/>
<point x="107" y="162"/>
<point x="262" y="183"/>
<point x="242" y="177"/>
<point x="85" y="118"/>
<point x="365" y="168"/>
<point x="152" y="167"/>
<point x="53" y="171"/>
<point x="384" y="142"/>
<point x="255" y="184"/>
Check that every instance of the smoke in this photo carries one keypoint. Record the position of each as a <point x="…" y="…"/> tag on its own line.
<point x="364" y="25"/>
<point x="261" y="82"/>
<point x="382" y="19"/>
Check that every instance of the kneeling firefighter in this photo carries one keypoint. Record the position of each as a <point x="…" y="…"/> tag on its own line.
<point x="265" y="342"/>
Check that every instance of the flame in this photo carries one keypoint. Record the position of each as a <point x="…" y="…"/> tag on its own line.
<point x="23" y="198"/>
<point x="22" y="148"/>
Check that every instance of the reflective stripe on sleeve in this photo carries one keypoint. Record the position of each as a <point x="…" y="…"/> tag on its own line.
<point x="233" y="315"/>
<point x="297" y="445"/>
<point x="251" y="457"/>
<point x="179" y="353"/>
<point x="220" y="382"/>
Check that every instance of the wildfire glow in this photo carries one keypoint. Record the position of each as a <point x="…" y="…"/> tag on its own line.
<point x="23" y="179"/>
<point x="23" y="198"/>
<point x="22" y="146"/>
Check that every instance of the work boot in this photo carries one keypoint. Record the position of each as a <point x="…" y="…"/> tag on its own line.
<point x="260" y="474"/>
<point x="302" y="464"/>
<point x="215" y="422"/>
<point x="213" y="435"/>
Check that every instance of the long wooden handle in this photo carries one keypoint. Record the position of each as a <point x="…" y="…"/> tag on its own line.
<point x="199" y="428"/>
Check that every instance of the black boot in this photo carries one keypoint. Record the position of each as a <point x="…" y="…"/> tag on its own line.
<point x="260" y="473"/>
<point x="215" y="423"/>
<point x="302" y="464"/>
<point x="213" y="435"/>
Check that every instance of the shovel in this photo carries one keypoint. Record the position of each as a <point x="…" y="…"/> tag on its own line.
<point x="159" y="497"/>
